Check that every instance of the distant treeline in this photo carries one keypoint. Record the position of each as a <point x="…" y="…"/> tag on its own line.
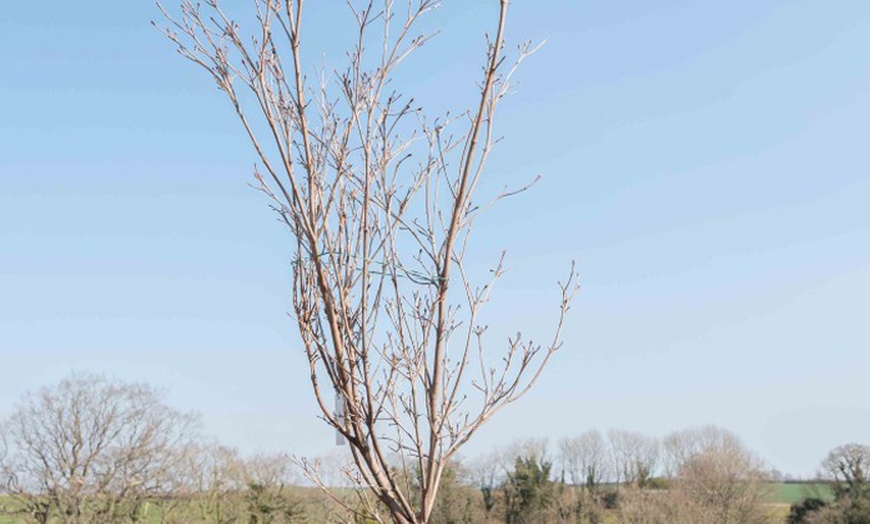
<point x="89" y="450"/>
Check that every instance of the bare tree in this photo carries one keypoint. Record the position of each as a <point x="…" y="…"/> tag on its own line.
<point x="584" y="459"/>
<point x="535" y="449"/>
<point x="268" y="490"/>
<point x="715" y="479"/>
<point x="635" y="456"/>
<point x="216" y="485"/>
<point x="379" y="200"/>
<point x="848" y="467"/>
<point x="88" y="450"/>
<point x="488" y="472"/>
<point x="213" y="479"/>
<point x="680" y="446"/>
<point x="722" y="482"/>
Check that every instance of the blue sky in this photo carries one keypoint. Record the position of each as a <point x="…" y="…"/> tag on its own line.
<point x="704" y="162"/>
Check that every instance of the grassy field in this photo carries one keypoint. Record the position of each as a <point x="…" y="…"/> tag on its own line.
<point x="792" y="492"/>
<point x="6" y="504"/>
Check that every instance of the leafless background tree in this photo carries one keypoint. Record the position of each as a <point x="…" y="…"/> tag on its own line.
<point x="717" y="478"/>
<point x="848" y="466"/>
<point x="88" y="450"/>
<point x="635" y="456"/>
<point x="585" y="459"/>
<point x="680" y="446"/>
<point x="379" y="200"/>
<point x="215" y="484"/>
<point x="488" y="472"/>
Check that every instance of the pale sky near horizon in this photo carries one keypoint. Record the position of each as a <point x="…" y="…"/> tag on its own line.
<point x="702" y="161"/>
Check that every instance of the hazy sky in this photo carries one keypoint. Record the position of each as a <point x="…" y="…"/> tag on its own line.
<point x="705" y="162"/>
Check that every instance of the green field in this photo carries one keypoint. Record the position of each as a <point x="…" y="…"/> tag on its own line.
<point x="792" y="492"/>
